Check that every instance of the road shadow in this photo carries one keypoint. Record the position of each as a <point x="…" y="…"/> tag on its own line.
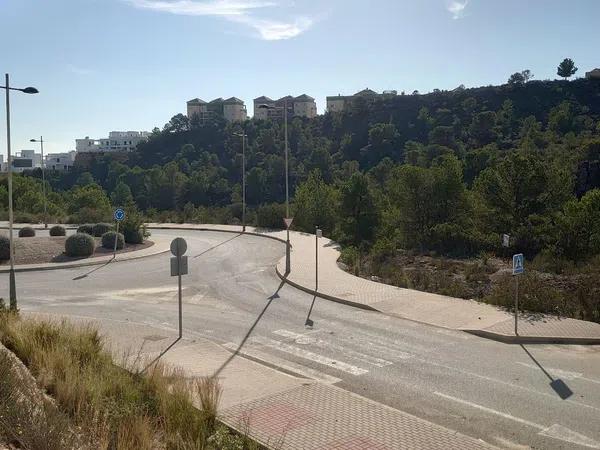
<point x="218" y="245"/>
<point x="309" y="322"/>
<point x="160" y="355"/>
<point x="85" y="275"/>
<point x="250" y="330"/>
<point x="558" y="385"/>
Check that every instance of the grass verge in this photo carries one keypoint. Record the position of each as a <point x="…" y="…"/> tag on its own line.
<point x="92" y="402"/>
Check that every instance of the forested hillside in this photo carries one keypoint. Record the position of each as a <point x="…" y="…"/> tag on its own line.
<point x="445" y="172"/>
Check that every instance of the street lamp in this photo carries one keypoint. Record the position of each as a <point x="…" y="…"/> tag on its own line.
<point x="41" y="141"/>
<point x="244" y="136"/>
<point x="13" y="288"/>
<point x="287" y="184"/>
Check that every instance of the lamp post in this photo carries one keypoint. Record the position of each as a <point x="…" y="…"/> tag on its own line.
<point x="287" y="183"/>
<point x="41" y="141"/>
<point x="244" y="136"/>
<point x="12" y="283"/>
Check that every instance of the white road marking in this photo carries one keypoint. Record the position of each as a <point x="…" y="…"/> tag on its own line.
<point x="305" y="354"/>
<point x="564" y="434"/>
<point x="555" y="431"/>
<point x="564" y="374"/>
<point x="283" y="364"/>
<point x="307" y="339"/>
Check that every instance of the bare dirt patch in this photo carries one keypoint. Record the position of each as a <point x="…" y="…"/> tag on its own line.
<point x="44" y="249"/>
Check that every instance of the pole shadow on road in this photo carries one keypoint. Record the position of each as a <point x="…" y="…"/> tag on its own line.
<point x="250" y="330"/>
<point x="309" y="323"/>
<point x="162" y="353"/>
<point x="558" y="385"/>
<point x="85" y="275"/>
<point x="218" y="245"/>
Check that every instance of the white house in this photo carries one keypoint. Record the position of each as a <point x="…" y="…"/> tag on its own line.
<point x="60" y="161"/>
<point x="117" y="141"/>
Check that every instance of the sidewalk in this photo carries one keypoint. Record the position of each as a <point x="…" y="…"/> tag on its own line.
<point x="433" y="309"/>
<point x="280" y="410"/>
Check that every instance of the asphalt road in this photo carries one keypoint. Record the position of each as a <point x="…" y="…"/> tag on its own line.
<point x="496" y="392"/>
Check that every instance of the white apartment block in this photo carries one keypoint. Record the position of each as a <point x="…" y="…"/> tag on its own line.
<point x="22" y="161"/>
<point x="60" y="161"/>
<point x="338" y="103"/>
<point x="232" y="109"/>
<point x="301" y="106"/>
<point x="117" y="141"/>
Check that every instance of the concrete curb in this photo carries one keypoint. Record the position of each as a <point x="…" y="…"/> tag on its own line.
<point x="75" y="265"/>
<point x="512" y="339"/>
<point x="251" y="233"/>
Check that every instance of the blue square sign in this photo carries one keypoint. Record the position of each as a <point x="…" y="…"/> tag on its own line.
<point x="518" y="264"/>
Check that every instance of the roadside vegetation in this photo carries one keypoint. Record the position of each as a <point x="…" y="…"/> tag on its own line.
<point x="79" y="398"/>
<point x="441" y="175"/>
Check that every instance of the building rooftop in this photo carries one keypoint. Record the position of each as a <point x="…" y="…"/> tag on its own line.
<point x="233" y="101"/>
<point x="366" y="92"/>
<point x="262" y="99"/>
<point x="217" y="100"/>
<point x="196" y="101"/>
<point x="304" y="98"/>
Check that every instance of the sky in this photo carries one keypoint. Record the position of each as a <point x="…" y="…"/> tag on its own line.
<point x="104" y="65"/>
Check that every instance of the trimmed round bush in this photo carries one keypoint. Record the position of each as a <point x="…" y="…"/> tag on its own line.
<point x="58" y="230"/>
<point x="134" y="236"/>
<point x="101" y="228"/>
<point x="87" y="228"/>
<point x="26" y="232"/>
<point x="80" y="244"/>
<point x="4" y="248"/>
<point x="108" y="240"/>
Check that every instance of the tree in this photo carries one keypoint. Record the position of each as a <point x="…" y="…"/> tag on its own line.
<point x="315" y="203"/>
<point x="357" y="210"/>
<point x="85" y="179"/>
<point x="566" y="69"/>
<point x="121" y="196"/>
<point x="520" y="78"/>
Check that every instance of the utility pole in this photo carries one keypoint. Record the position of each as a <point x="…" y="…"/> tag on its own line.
<point x="41" y="141"/>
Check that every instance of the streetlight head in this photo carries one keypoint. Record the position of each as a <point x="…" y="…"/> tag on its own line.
<point x="32" y="140"/>
<point x="30" y="90"/>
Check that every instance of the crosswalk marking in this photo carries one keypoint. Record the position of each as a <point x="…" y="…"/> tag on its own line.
<point x="305" y="354"/>
<point x="372" y="360"/>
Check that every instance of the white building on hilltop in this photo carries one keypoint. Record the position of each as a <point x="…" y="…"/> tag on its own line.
<point x="117" y="141"/>
<point x="60" y="161"/>
<point x="25" y="160"/>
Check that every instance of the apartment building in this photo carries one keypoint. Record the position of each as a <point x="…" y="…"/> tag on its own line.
<point x="117" y="141"/>
<point x="301" y="106"/>
<point x="60" y="161"/>
<point x="22" y="161"/>
<point x="593" y="74"/>
<point x="232" y="109"/>
<point x="339" y="103"/>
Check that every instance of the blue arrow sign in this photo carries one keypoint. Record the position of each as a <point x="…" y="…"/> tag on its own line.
<point x="518" y="264"/>
<point x="119" y="214"/>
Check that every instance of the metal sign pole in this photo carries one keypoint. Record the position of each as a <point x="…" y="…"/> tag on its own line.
<point x="180" y="302"/>
<point x="316" y="259"/>
<point x="116" y="240"/>
<point x="517" y="305"/>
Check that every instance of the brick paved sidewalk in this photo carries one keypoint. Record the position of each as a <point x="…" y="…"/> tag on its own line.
<point x="433" y="309"/>
<point x="282" y="411"/>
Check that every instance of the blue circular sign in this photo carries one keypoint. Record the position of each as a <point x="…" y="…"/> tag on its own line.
<point x="119" y="214"/>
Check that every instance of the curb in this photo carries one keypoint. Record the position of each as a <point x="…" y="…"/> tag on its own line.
<point x="76" y="265"/>
<point x="512" y="339"/>
<point x="250" y="233"/>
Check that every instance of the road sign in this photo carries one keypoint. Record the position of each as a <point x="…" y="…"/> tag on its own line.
<point x="319" y="233"/>
<point x="518" y="264"/>
<point x="178" y="246"/>
<point x="505" y="240"/>
<point x="119" y="214"/>
<point x="179" y="265"/>
<point x="288" y="222"/>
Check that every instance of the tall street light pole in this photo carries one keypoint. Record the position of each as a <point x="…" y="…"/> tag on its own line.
<point x="244" y="136"/>
<point x="287" y="182"/>
<point x="41" y="141"/>
<point x="12" y="283"/>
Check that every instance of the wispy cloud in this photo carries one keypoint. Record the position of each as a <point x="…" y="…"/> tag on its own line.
<point x="457" y="8"/>
<point x="238" y="11"/>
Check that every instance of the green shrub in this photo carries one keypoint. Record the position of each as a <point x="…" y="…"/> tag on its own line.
<point x="4" y="248"/>
<point x="87" y="228"/>
<point x="26" y="232"/>
<point x="58" y="230"/>
<point x="101" y="228"/>
<point x="270" y="216"/>
<point x="133" y="227"/>
<point x="108" y="240"/>
<point x="80" y="244"/>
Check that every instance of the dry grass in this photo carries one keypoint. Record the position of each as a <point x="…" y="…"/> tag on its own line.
<point x="112" y="407"/>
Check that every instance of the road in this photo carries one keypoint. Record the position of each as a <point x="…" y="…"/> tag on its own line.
<point x="496" y="392"/>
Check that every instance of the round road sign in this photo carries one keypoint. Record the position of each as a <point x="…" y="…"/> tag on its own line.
<point x="119" y="214"/>
<point x="178" y="246"/>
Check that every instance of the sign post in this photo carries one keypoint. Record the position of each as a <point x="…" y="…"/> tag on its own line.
<point x="288" y="223"/>
<point x="179" y="266"/>
<point x="318" y="234"/>
<point x="518" y="269"/>
<point x="119" y="216"/>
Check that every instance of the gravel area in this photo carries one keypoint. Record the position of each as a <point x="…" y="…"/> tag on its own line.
<point x="44" y="249"/>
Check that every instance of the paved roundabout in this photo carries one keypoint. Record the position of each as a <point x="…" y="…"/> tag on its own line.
<point x="232" y="296"/>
